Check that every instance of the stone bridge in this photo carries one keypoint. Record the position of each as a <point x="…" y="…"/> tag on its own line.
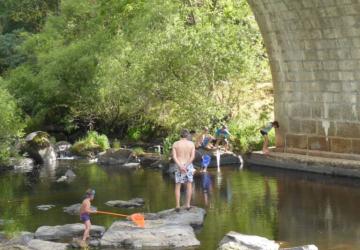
<point x="314" y="52"/>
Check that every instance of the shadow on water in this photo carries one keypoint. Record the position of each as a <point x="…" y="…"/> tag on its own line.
<point x="293" y="207"/>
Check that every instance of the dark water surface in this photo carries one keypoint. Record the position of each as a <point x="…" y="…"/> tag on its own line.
<point x="291" y="207"/>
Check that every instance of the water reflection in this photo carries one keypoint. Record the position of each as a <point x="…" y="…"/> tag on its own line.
<point x="285" y="206"/>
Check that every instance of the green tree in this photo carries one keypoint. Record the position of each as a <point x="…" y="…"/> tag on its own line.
<point x="11" y="123"/>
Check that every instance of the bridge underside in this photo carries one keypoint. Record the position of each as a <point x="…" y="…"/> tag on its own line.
<point x="314" y="52"/>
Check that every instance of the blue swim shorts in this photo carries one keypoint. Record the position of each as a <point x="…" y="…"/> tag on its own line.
<point x="84" y="217"/>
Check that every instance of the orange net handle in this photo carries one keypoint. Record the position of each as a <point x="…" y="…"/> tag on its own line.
<point x="137" y="218"/>
<point x="113" y="214"/>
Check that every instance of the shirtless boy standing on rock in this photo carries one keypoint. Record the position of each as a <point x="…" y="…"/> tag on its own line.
<point x="183" y="153"/>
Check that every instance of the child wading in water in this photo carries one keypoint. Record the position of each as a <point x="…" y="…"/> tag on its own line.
<point x="265" y="131"/>
<point x="85" y="212"/>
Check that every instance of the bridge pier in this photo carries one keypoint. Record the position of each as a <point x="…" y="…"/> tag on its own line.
<point x="314" y="53"/>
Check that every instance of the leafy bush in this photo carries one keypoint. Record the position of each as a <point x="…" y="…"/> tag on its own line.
<point x="246" y="137"/>
<point x="92" y="143"/>
<point x="167" y="144"/>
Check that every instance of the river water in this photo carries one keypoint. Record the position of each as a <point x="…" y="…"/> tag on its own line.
<point x="291" y="207"/>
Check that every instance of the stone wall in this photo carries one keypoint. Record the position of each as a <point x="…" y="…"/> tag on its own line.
<point x="314" y="51"/>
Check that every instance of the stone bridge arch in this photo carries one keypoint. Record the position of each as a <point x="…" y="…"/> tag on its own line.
<point x="314" y="53"/>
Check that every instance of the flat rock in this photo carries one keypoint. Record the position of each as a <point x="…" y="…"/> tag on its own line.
<point x="75" y="209"/>
<point x="306" y="247"/>
<point x="23" y="238"/>
<point x="13" y="247"/>
<point x="45" y="207"/>
<point x="136" y="202"/>
<point x="237" y="241"/>
<point x="66" y="231"/>
<point x="131" y="165"/>
<point x="157" y="234"/>
<point x="193" y="217"/>
<point x="226" y="158"/>
<point x="46" y="245"/>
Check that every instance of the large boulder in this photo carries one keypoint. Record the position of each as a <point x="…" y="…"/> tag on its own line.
<point x="115" y="157"/>
<point x="39" y="148"/>
<point x="157" y="234"/>
<point x="46" y="245"/>
<point x="237" y="241"/>
<point x="75" y="209"/>
<point x="226" y="158"/>
<point x="136" y="202"/>
<point x="194" y="216"/>
<point x="148" y="159"/>
<point x="65" y="232"/>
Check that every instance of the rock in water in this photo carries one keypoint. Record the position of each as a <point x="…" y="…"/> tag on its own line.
<point x="45" y="207"/>
<point x="156" y="234"/>
<point x="307" y="247"/>
<point x="193" y="217"/>
<point x="62" y="149"/>
<point x="115" y="157"/>
<point x="70" y="174"/>
<point x="39" y="148"/>
<point x="62" y="179"/>
<point x="75" y="209"/>
<point x="21" y="239"/>
<point x="136" y="202"/>
<point x="131" y="165"/>
<point x="66" y="232"/>
<point x="226" y="158"/>
<point x="237" y="241"/>
<point x="46" y="245"/>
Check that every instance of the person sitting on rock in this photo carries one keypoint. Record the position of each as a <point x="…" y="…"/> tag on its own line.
<point x="264" y="132"/>
<point x="222" y="135"/>
<point x="85" y="211"/>
<point x="205" y="140"/>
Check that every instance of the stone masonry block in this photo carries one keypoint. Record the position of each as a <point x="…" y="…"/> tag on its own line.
<point x="300" y="110"/>
<point x="338" y="145"/>
<point x="322" y="129"/>
<point x="294" y="126"/>
<point x="308" y="126"/>
<point x="318" y="143"/>
<point x="296" y="141"/>
<point x="356" y="146"/>
<point x="348" y="129"/>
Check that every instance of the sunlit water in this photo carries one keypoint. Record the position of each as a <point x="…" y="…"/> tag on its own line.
<point x="290" y="207"/>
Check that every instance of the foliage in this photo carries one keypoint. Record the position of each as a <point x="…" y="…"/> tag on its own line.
<point x="10" y="56"/>
<point x="154" y="66"/>
<point x="92" y="143"/>
<point x="256" y="105"/>
<point x="167" y="144"/>
<point x="11" y="123"/>
<point x="27" y="14"/>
